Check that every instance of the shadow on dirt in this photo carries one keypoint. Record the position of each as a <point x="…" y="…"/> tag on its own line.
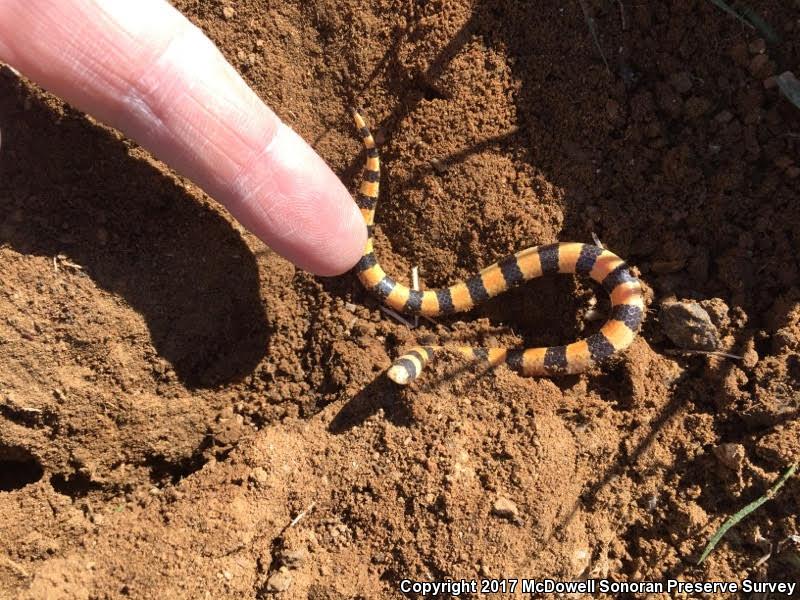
<point x="135" y="232"/>
<point x="380" y="394"/>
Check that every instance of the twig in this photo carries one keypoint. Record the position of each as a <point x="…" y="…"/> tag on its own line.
<point x="397" y="316"/>
<point x="299" y="517"/>
<point x="750" y="18"/>
<point x="597" y="241"/>
<point x="705" y="352"/>
<point x="593" y="30"/>
<point x="712" y="543"/>
<point x="722" y="6"/>
<point x="622" y="16"/>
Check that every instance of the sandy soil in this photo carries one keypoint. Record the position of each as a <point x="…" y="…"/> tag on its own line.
<point x="185" y="414"/>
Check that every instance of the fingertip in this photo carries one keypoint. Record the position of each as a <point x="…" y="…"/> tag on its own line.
<point x="347" y="243"/>
<point x="294" y="202"/>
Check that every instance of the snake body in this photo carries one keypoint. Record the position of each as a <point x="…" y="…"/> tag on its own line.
<point x="604" y="267"/>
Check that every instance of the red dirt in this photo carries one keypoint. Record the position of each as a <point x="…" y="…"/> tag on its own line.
<point x="173" y="394"/>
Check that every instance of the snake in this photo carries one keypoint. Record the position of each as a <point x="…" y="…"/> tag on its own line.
<point x="602" y="266"/>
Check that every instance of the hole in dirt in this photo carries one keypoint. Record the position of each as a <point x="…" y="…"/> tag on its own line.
<point x="431" y="92"/>
<point x="164" y="471"/>
<point x="18" y="468"/>
<point x="74" y="485"/>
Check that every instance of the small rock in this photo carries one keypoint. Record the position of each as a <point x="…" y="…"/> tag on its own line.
<point x="506" y="509"/>
<point x="730" y="455"/>
<point x="228" y="12"/>
<point x="581" y="561"/>
<point x="279" y="582"/>
<point x="688" y="325"/>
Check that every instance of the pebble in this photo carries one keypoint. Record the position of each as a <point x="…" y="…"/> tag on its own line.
<point x="581" y="561"/>
<point x="730" y="455"/>
<point x="506" y="509"/>
<point x="688" y="326"/>
<point x="279" y="582"/>
<point x="228" y="12"/>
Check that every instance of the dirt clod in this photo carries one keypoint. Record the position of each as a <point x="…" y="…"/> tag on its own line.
<point x="279" y="582"/>
<point x="730" y="455"/>
<point x="506" y="509"/>
<point x="294" y="559"/>
<point x="688" y="326"/>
